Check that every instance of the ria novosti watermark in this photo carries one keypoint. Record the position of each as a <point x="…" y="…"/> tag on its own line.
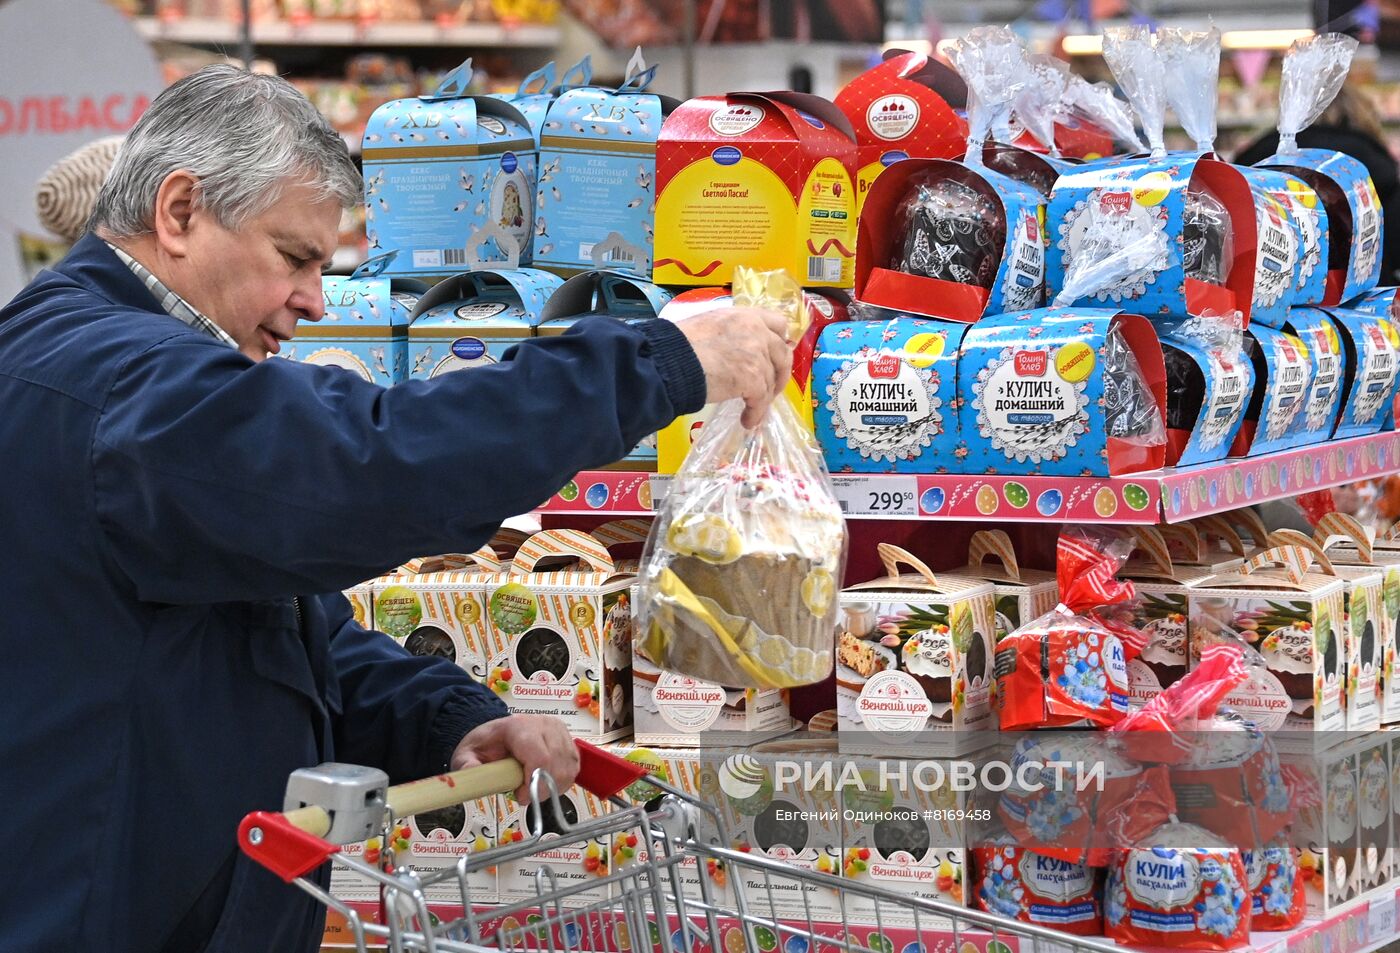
<point x="742" y="776"/>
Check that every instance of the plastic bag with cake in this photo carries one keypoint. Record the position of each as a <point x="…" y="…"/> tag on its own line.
<point x="1181" y="887"/>
<point x="1069" y="667"/>
<point x="739" y="580"/>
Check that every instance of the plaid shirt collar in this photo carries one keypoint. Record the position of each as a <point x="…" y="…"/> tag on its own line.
<point x="170" y="302"/>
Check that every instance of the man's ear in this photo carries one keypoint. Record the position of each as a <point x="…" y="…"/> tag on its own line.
<point x="175" y="211"/>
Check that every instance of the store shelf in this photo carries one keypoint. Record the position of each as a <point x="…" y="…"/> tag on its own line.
<point x="219" y="32"/>
<point x="1145" y="498"/>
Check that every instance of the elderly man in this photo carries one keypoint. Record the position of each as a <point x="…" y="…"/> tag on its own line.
<point x="183" y="513"/>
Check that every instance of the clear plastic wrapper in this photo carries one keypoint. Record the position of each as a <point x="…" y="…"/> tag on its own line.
<point x="1040" y="102"/>
<point x="1207" y="243"/>
<point x="1096" y="103"/>
<point x="1119" y="247"/>
<point x="1191" y="63"/>
<point x="1130" y="410"/>
<point x="1313" y="72"/>
<point x="1130" y="53"/>
<point x="739" y="580"/>
<point x="991" y="61"/>
<point x="1069" y="667"/>
<point x="952" y="232"/>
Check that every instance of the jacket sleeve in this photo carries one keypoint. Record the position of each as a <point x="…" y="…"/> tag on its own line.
<point x="217" y="479"/>
<point x="400" y="712"/>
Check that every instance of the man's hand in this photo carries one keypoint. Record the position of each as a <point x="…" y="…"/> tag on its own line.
<point x="744" y="354"/>
<point x="536" y="741"/>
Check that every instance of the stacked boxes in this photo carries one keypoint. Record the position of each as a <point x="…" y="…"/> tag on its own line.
<point x="1161" y="612"/>
<point x="436" y="610"/>
<point x="1022" y="595"/>
<point x="561" y="619"/>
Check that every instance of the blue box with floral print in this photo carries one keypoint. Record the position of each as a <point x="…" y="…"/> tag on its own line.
<point x="885" y="394"/>
<point x="443" y="169"/>
<point x="1035" y="389"/>
<point x="1189" y="271"/>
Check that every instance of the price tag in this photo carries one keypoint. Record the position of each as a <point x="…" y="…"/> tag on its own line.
<point x="660" y="486"/>
<point x="877" y="496"/>
<point x="1380" y="919"/>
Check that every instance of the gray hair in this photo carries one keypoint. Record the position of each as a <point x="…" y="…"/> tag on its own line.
<point x="243" y="135"/>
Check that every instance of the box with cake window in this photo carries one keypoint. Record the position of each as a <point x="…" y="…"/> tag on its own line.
<point x="1348" y="545"/>
<point x="1295" y="618"/>
<point x="1021" y="594"/>
<point x="1375" y="827"/>
<point x="443" y="167"/>
<point x="1283" y="374"/>
<point x="901" y="831"/>
<point x="1161" y="612"/>
<point x="437" y="607"/>
<point x="1061" y="392"/>
<point x="471" y="320"/>
<point x="562" y="617"/>
<point x="914" y="658"/>
<point x="562" y="859"/>
<point x="365" y="325"/>
<point x="1210" y="383"/>
<point x="361" y="599"/>
<point x="696" y="774"/>
<point x="885" y="394"/>
<point x="780" y="800"/>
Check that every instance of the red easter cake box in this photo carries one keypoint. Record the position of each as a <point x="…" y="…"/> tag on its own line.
<point x="764" y="180"/>
<point x="904" y="107"/>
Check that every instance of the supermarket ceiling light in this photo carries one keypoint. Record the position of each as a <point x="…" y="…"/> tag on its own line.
<point x="1083" y="44"/>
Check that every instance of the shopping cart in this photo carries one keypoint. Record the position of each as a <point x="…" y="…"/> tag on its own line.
<point x="670" y="896"/>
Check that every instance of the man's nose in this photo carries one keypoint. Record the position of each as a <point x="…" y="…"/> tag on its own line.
<point x="308" y="301"/>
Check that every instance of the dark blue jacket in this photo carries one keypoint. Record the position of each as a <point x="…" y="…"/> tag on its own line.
<point x="173" y="515"/>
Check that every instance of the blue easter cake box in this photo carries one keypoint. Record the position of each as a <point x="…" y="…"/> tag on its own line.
<point x="1326" y="354"/>
<point x="885" y="394"/>
<point x="1385" y="303"/>
<point x="608" y="294"/>
<point x="1210" y="381"/>
<point x="943" y="239"/>
<point x="1190" y="221"/>
<point x="1308" y="215"/>
<point x="441" y="168"/>
<point x="538" y="90"/>
<point x="1279" y="252"/>
<point x="1283" y="372"/>
<point x="471" y="320"/>
<point x="1061" y="392"/>
<point x="1372" y="363"/>
<point x="365" y="327"/>
<point x="598" y="176"/>
<point x="1036" y="169"/>
<point x="1354" y="217"/>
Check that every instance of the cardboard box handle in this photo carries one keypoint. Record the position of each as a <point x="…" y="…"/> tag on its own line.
<point x="1293" y="560"/>
<point x="1340" y="528"/>
<point x="1188" y="537"/>
<point x="893" y="556"/>
<point x="583" y="70"/>
<point x="374" y="267"/>
<point x="622" y="532"/>
<point x="504" y="241"/>
<point x="1217" y="527"/>
<point x="561" y="543"/>
<point x="1296" y="538"/>
<point x="544" y="76"/>
<point x="454" y="85"/>
<point x="994" y="542"/>
<point x="1149" y="541"/>
<point x="1247" y="520"/>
